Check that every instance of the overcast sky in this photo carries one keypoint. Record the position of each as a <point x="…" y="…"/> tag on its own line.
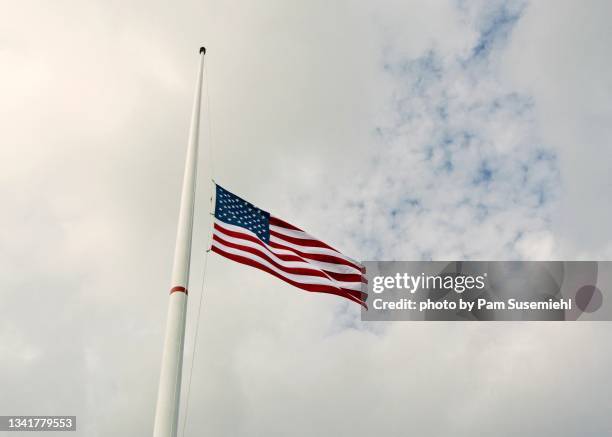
<point x="400" y="130"/>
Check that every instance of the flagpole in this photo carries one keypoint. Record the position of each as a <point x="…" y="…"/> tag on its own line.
<point x="168" y="396"/>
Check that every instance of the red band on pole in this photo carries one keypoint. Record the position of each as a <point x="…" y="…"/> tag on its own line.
<point x="178" y="289"/>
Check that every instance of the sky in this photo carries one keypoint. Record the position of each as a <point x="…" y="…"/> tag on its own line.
<point x="395" y="130"/>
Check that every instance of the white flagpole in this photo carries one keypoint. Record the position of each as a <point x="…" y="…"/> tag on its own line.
<point x="168" y="396"/>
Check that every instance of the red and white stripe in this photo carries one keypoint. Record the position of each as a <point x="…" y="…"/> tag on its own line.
<point x="293" y="256"/>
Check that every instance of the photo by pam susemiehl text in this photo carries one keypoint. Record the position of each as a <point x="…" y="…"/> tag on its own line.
<point x="487" y="290"/>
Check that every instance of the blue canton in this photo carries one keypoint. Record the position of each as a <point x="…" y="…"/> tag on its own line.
<point x="233" y="210"/>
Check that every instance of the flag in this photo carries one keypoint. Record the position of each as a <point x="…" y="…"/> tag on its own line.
<point x="249" y="235"/>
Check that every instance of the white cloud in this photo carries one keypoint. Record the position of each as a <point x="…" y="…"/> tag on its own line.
<point x="94" y="115"/>
<point x="559" y="58"/>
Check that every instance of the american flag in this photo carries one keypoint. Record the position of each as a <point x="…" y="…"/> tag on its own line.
<point x="249" y="235"/>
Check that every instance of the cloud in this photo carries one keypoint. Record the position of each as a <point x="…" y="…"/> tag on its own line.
<point x="410" y="130"/>
<point x="457" y="168"/>
<point x="558" y="58"/>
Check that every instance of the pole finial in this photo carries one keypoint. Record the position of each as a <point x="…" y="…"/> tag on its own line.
<point x="203" y="50"/>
